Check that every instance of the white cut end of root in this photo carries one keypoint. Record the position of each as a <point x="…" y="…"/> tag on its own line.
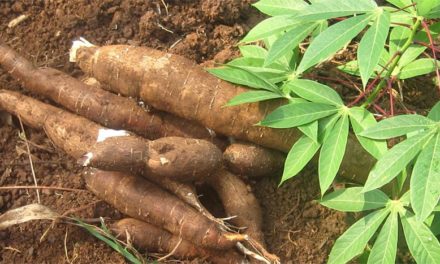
<point x="14" y="22"/>
<point x="103" y="134"/>
<point x="89" y="157"/>
<point x="81" y="42"/>
<point x="163" y="161"/>
<point x="211" y="132"/>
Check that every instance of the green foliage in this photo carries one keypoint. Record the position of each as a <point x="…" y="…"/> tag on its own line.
<point x="391" y="47"/>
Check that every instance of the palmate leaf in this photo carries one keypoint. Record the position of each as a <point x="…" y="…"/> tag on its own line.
<point x="320" y="10"/>
<point x="299" y="155"/>
<point x="325" y="126"/>
<point x="332" y="39"/>
<point x="280" y="7"/>
<point x="270" y="26"/>
<point x="425" y="180"/>
<point x="354" y="240"/>
<point x="253" y="51"/>
<point x="395" y="160"/>
<point x="273" y="73"/>
<point x="434" y="13"/>
<point x="398" y="126"/>
<point x="434" y="114"/>
<point x="417" y="68"/>
<point x="371" y="45"/>
<point x="422" y="244"/>
<point x="252" y="96"/>
<point x="354" y="200"/>
<point x="361" y="119"/>
<point x="385" y="247"/>
<point x="314" y="92"/>
<point x="332" y="153"/>
<point x="289" y="41"/>
<point x="293" y="115"/>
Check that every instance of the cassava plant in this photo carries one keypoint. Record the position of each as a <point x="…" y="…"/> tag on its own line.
<point x="394" y="42"/>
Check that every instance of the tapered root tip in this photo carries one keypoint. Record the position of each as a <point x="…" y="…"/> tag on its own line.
<point x="81" y="42"/>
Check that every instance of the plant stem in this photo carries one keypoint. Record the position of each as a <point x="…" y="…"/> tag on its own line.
<point x="405" y="46"/>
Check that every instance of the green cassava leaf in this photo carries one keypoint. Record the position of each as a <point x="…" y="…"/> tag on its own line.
<point x="314" y="92"/>
<point x="398" y="126"/>
<point x="271" y="26"/>
<point x="354" y="240"/>
<point x="371" y="46"/>
<point x="280" y="7"/>
<point x="398" y="36"/>
<point x="293" y="115"/>
<point x="417" y="68"/>
<point x="332" y="153"/>
<point x="310" y="130"/>
<point x="400" y="3"/>
<point x="320" y="10"/>
<point x="354" y="200"/>
<point x="325" y="126"/>
<point x="289" y="41"/>
<point x="252" y="96"/>
<point x="385" y="247"/>
<point x="434" y="13"/>
<point x="425" y="180"/>
<point x="361" y="119"/>
<point x="395" y="160"/>
<point x="273" y="73"/>
<point x="422" y="244"/>
<point x="434" y="114"/>
<point x="236" y="75"/>
<point x="299" y="155"/>
<point x="433" y="222"/>
<point x="400" y="17"/>
<point x="332" y="39"/>
<point x="425" y="6"/>
<point x="253" y="51"/>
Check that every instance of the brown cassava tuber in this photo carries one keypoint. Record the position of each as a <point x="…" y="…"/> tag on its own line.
<point x="181" y="159"/>
<point x="177" y="85"/>
<point x="143" y="200"/>
<point x="96" y="104"/>
<point x="252" y="160"/>
<point x="150" y="238"/>
<point x="240" y="203"/>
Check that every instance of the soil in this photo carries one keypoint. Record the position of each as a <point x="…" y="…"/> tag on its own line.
<point x="297" y="229"/>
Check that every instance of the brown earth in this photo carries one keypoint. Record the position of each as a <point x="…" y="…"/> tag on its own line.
<point x="296" y="227"/>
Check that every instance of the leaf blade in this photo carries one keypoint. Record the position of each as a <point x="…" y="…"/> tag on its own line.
<point x="314" y="92"/>
<point x="354" y="200"/>
<point x="385" y="247"/>
<point x="425" y="182"/>
<point x="332" y="153"/>
<point x="252" y="97"/>
<point x="422" y="244"/>
<point x="371" y="45"/>
<point x="292" y="115"/>
<point x="326" y="44"/>
<point x="299" y="155"/>
<point x="395" y="160"/>
<point x="354" y="240"/>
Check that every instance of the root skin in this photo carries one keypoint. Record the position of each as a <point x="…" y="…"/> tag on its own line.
<point x="252" y="160"/>
<point x="239" y="201"/>
<point x="150" y="238"/>
<point x="143" y="200"/>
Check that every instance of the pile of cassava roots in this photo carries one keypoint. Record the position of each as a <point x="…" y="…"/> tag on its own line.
<point x="146" y="161"/>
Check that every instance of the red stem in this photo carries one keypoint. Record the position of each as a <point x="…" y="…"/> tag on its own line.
<point x="434" y="55"/>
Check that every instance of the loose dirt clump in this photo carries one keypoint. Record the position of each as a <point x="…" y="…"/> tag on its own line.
<point x="296" y="227"/>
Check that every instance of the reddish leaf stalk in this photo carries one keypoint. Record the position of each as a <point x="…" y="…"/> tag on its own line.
<point x="434" y="55"/>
